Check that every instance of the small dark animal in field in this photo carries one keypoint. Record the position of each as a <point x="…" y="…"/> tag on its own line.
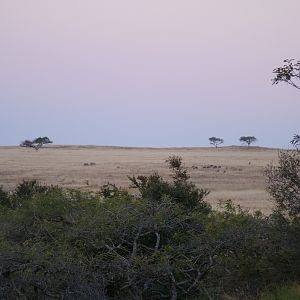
<point x="212" y="167"/>
<point x="89" y="164"/>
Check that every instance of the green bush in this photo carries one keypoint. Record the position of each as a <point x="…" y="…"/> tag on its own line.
<point x="283" y="183"/>
<point x="154" y="188"/>
<point x="4" y="198"/>
<point x="165" y="242"/>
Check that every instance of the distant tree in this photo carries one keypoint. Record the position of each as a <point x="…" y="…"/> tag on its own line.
<point x="36" y="143"/>
<point x="215" y="141"/>
<point x="248" y="140"/>
<point x="288" y="73"/>
<point x="26" y="143"/>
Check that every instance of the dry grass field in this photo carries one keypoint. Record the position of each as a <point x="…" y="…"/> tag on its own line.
<point x="235" y="173"/>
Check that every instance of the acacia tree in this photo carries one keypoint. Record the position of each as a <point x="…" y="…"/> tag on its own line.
<point x="283" y="180"/>
<point x="36" y="143"/>
<point x="248" y="140"/>
<point x="288" y="73"/>
<point x="215" y="141"/>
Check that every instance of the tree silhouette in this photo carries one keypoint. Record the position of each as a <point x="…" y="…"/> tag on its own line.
<point x="215" y="141"/>
<point x="36" y="143"/>
<point x="288" y="73"/>
<point x="248" y="140"/>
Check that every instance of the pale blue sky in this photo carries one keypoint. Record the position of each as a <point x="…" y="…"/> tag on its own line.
<point x="147" y="73"/>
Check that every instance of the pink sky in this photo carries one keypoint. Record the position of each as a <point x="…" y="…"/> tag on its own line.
<point x="147" y="73"/>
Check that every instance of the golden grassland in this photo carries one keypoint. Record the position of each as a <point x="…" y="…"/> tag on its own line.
<point x="235" y="173"/>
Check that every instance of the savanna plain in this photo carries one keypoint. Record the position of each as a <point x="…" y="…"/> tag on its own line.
<point x="235" y="173"/>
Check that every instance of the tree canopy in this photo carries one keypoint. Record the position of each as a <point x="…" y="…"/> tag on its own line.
<point x="248" y="140"/>
<point x="288" y="73"/>
<point x="215" y="141"/>
<point x="36" y="143"/>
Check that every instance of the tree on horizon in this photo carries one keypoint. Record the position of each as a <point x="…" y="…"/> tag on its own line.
<point x="215" y="141"/>
<point x="36" y="143"/>
<point x="248" y="140"/>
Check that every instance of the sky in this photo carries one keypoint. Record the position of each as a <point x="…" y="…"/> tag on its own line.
<point x="159" y="73"/>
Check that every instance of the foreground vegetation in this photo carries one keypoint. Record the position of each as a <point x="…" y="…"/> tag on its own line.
<point x="165" y="242"/>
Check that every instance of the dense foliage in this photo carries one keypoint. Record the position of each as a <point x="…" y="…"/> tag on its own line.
<point x="284" y="183"/>
<point x="164" y="243"/>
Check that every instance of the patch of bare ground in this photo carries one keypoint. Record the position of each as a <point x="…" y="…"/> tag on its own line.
<point x="235" y="173"/>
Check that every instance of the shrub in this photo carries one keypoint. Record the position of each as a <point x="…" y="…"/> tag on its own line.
<point x="165" y="242"/>
<point x="4" y="198"/>
<point x="27" y="189"/>
<point x="183" y="192"/>
<point x="283" y="183"/>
